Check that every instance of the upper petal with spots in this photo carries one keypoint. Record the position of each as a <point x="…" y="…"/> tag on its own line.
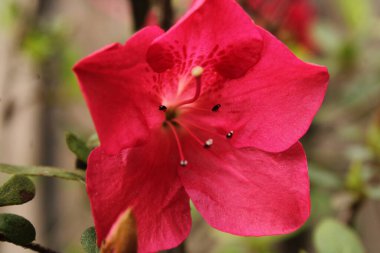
<point x="117" y="84"/>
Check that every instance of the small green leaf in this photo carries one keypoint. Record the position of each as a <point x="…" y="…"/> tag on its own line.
<point x="43" y="171"/>
<point x="93" y="141"/>
<point x="332" y="236"/>
<point x="88" y="240"/>
<point x="354" y="179"/>
<point x="17" y="190"/>
<point x="16" y="229"/>
<point x="77" y="146"/>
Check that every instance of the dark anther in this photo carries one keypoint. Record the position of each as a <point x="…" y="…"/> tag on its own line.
<point x="216" y="107"/>
<point x="230" y="134"/>
<point x="162" y="108"/>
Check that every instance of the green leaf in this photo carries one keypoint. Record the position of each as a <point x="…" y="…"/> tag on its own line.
<point x="331" y="236"/>
<point x="43" y="171"/>
<point x="16" y="229"/>
<point x="78" y="146"/>
<point x="17" y="190"/>
<point x="88" y="240"/>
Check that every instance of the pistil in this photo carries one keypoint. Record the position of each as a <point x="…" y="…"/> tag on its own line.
<point x="196" y="72"/>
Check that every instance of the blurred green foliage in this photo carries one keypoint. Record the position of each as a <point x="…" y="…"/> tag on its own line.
<point x="331" y="236"/>
<point x="9" y="12"/>
<point x="50" y="41"/>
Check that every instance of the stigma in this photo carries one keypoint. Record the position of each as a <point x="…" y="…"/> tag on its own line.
<point x="197" y="71"/>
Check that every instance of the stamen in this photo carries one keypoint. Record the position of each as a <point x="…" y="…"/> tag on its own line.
<point x="230" y="134"/>
<point x="183" y="161"/>
<point x="208" y="143"/>
<point x="216" y="107"/>
<point x="191" y="133"/>
<point x="162" y="108"/>
<point x="202" y="128"/>
<point x="196" y="72"/>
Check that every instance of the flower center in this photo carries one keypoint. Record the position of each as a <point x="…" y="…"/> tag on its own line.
<point x="173" y="122"/>
<point x="171" y="114"/>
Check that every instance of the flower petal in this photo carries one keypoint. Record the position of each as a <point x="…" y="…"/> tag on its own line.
<point x="144" y="179"/>
<point x="213" y="32"/>
<point x="246" y="191"/>
<point x="272" y="106"/>
<point x="117" y="84"/>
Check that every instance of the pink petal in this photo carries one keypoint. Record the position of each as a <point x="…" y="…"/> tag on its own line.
<point x="246" y="191"/>
<point x="214" y="32"/>
<point x="116" y="82"/>
<point x="145" y="179"/>
<point x="272" y="106"/>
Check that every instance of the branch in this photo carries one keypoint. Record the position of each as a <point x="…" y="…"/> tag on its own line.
<point x="76" y="175"/>
<point x="38" y="248"/>
<point x="140" y="9"/>
<point x="32" y="246"/>
<point x="168" y="14"/>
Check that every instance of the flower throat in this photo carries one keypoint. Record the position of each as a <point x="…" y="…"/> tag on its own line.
<point x="173" y="123"/>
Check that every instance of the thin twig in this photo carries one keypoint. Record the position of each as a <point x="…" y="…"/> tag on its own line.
<point x="168" y="14"/>
<point x="140" y="9"/>
<point x="32" y="246"/>
<point x="38" y="248"/>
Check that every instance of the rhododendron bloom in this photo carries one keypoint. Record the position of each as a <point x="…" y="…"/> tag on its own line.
<point x="211" y="111"/>
<point x="289" y="18"/>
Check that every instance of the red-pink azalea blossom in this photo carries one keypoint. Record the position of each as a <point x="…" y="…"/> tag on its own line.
<point x="211" y="111"/>
<point x="291" y="17"/>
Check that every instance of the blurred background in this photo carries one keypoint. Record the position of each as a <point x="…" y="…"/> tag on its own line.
<point x="40" y="40"/>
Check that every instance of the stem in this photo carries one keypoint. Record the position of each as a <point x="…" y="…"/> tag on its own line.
<point x="38" y="248"/>
<point x="32" y="246"/>
<point x="168" y="14"/>
<point x="140" y="10"/>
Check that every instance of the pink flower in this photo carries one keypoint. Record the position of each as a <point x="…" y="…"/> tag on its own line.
<point x="211" y="111"/>
<point x="291" y="17"/>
